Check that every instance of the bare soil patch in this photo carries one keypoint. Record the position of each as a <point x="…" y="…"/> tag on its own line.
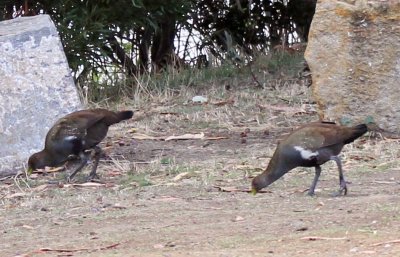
<point x="167" y="198"/>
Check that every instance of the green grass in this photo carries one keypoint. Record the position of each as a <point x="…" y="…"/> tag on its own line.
<point x="273" y="69"/>
<point x="177" y="169"/>
<point x="136" y="179"/>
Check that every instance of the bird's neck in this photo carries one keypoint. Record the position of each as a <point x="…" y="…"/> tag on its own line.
<point x="276" y="169"/>
<point x="50" y="159"/>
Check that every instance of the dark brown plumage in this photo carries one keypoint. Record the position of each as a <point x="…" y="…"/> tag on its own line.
<point x="72" y="135"/>
<point x="309" y="146"/>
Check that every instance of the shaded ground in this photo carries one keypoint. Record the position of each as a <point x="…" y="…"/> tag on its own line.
<point x="164" y="198"/>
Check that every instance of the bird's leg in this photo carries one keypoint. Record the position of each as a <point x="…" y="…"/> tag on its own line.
<point x="314" y="183"/>
<point x="84" y="159"/>
<point x="342" y="182"/>
<point x="97" y="154"/>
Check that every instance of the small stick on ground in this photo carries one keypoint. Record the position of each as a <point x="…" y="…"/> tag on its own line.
<point x="315" y="238"/>
<point x="256" y="79"/>
<point x="77" y="250"/>
<point x="387" y="242"/>
<point x="235" y="189"/>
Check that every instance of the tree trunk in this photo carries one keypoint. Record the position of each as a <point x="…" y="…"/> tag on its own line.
<point x="162" y="51"/>
<point x="144" y="47"/>
<point x="123" y="58"/>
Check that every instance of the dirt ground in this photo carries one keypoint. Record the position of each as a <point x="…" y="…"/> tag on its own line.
<point x="188" y="197"/>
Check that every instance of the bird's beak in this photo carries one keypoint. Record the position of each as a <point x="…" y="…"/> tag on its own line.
<point x="253" y="191"/>
<point x="29" y="171"/>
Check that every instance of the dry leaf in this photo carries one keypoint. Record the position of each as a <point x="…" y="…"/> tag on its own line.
<point x="166" y="199"/>
<point x="16" y="195"/>
<point x="119" y="206"/>
<point x="180" y="176"/>
<point x="89" y="184"/>
<point x="238" y="218"/>
<point x="225" y="102"/>
<point x="215" y="138"/>
<point x="186" y="137"/>
<point x="140" y="136"/>
<point x="48" y="170"/>
<point x="40" y="188"/>
<point x="114" y="173"/>
<point x="290" y="111"/>
<point x="54" y="169"/>
<point x="27" y="227"/>
<point x="158" y="246"/>
<point x="132" y="130"/>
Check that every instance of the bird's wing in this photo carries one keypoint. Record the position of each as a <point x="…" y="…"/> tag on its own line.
<point x="73" y="125"/>
<point x="315" y="137"/>
<point x="83" y="119"/>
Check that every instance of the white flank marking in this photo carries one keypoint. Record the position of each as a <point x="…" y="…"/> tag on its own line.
<point x="70" y="138"/>
<point x="305" y="154"/>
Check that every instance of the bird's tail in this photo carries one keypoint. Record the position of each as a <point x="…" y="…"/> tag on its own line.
<point x="356" y="132"/>
<point x="125" y="115"/>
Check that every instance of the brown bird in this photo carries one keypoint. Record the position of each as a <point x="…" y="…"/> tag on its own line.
<point x="309" y="146"/>
<point x="74" y="134"/>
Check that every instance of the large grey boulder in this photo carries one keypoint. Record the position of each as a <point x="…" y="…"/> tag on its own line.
<point x="353" y="53"/>
<point x="36" y="88"/>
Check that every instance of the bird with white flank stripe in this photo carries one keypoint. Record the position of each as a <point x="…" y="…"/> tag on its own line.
<point x="309" y="146"/>
<point x="73" y="135"/>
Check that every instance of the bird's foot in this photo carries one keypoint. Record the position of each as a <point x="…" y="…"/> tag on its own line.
<point x="311" y="193"/>
<point x="69" y="179"/>
<point x="92" y="177"/>
<point x="342" y="189"/>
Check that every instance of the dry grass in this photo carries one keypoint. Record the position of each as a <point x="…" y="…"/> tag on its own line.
<point x="160" y="197"/>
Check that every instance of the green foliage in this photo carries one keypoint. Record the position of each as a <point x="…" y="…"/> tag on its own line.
<point x="166" y="161"/>
<point x="284" y="62"/>
<point x="140" y="180"/>
<point x="369" y="120"/>
<point x="274" y="66"/>
<point x="110" y="44"/>
<point x="103" y="36"/>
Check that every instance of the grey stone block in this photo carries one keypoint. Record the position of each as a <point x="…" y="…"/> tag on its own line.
<point x="36" y="88"/>
<point x="353" y="53"/>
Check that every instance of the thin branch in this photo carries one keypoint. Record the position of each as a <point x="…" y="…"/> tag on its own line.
<point x="387" y="242"/>
<point x="315" y="238"/>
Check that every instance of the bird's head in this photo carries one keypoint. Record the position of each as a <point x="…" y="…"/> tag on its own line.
<point x="258" y="183"/>
<point x="38" y="161"/>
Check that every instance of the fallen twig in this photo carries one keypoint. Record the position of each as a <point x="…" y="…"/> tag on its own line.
<point x="387" y="242"/>
<point x="6" y="177"/>
<point x="185" y="137"/>
<point x="49" y="170"/>
<point x="77" y="250"/>
<point x="235" y="189"/>
<point x="256" y="79"/>
<point x="315" y="238"/>
<point x="109" y="246"/>
<point x="385" y="182"/>
<point x="86" y="185"/>
<point x="215" y="138"/>
<point x="225" y="102"/>
<point x="62" y="250"/>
